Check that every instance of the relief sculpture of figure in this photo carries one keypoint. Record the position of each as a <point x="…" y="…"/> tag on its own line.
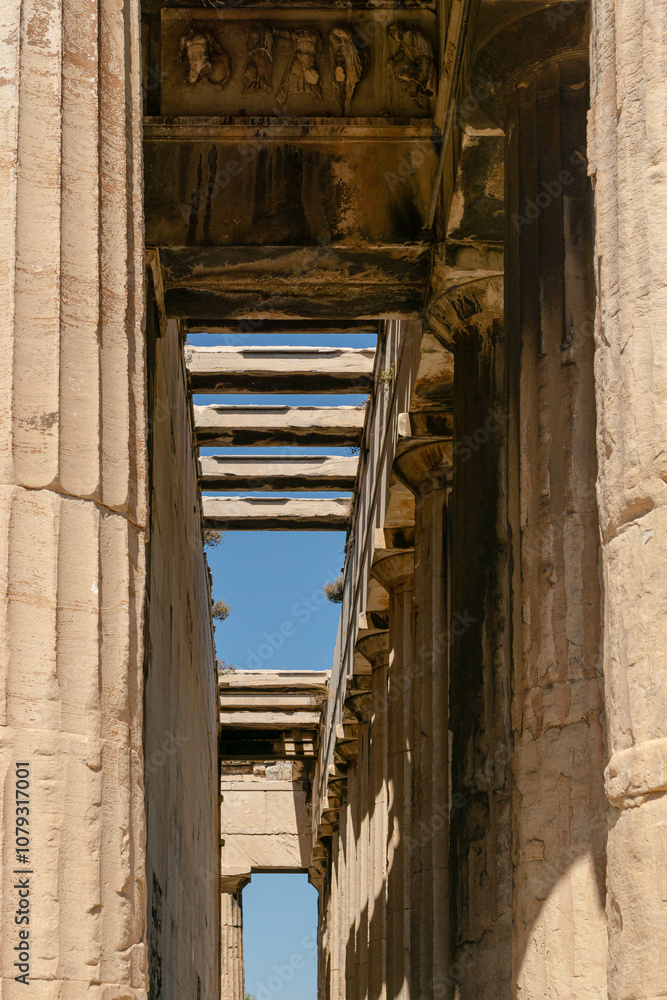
<point x="349" y="62"/>
<point x="258" y="73"/>
<point x="302" y="75"/>
<point x="413" y="63"/>
<point x="204" y="58"/>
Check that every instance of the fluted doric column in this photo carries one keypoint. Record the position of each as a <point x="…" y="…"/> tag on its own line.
<point x="357" y="712"/>
<point x="375" y="648"/>
<point x="352" y="854"/>
<point x="626" y="156"/>
<point x="232" y="983"/>
<point x="72" y="492"/>
<point x="559" y="934"/>
<point x="468" y="320"/>
<point x="394" y="570"/>
<point x="426" y="469"/>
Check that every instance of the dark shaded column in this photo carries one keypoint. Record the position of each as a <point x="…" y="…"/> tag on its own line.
<point x="425" y="467"/>
<point x="468" y="320"/>
<point x="558" y="828"/>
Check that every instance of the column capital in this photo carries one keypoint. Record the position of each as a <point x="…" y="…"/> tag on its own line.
<point x="394" y="569"/>
<point x="233" y="882"/>
<point x="466" y="311"/>
<point x="374" y="647"/>
<point x="425" y="465"/>
<point x="553" y="34"/>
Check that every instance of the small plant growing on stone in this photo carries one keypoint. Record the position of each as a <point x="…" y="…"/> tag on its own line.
<point x="334" y="590"/>
<point x="387" y="376"/>
<point x="213" y="537"/>
<point x="220" y="610"/>
<point x="226" y="668"/>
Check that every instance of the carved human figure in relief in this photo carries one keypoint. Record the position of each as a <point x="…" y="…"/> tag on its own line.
<point x="302" y="75"/>
<point x="349" y="62"/>
<point x="204" y="58"/>
<point x="413" y="63"/>
<point x="258" y="73"/>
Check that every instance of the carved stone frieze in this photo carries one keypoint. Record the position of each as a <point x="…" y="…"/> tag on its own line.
<point x="204" y="58"/>
<point x="295" y="63"/>
<point x="302" y="75"/>
<point x="258" y="73"/>
<point x="413" y="63"/>
<point x="349" y="61"/>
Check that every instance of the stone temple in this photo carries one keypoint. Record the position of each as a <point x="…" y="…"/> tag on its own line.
<point x="478" y="787"/>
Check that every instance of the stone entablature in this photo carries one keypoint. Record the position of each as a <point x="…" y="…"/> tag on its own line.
<point x="287" y="63"/>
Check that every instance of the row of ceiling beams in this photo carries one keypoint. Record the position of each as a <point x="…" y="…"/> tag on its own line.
<point x="280" y="370"/>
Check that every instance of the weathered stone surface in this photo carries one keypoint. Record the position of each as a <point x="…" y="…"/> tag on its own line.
<point x="279" y="369"/>
<point x="275" y="514"/>
<point x="72" y="498"/>
<point x="395" y="571"/>
<point x="372" y="179"/>
<point x="180" y="713"/>
<point x="625" y="126"/>
<point x="71" y="274"/>
<point x="297" y="683"/>
<point x="294" y="282"/>
<point x="559" y="938"/>
<point x="231" y="946"/>
<point x="271" y="426"/>
<point x="296" y="473"/>
<point x="265" y="823"/>
<point x="282" y="719"/>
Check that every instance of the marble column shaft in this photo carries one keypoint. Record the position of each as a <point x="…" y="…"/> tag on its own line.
<point x="353" y="848"/>
<point x="72" y="491"/>
<point x="426" y="470"/>
<point x="333" y="922"/>
<point x="557" y="713"/>
<point x="626" y="160"/>
<point x="232" y="968"/>
<point x="364" y="862"/>
<point x="375" y="648"/>
<point x="469" y="321"/>
<point x="395" y="571"/>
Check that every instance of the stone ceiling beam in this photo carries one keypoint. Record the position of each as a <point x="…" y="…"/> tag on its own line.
<point x="306" y="283"/>
<point x="260" y="700"/>
<point x="278" y="719"/>
<point x="262" y="745"/>
<point x="275" y="514"/>
<point x="274" y="680"/>
<point x="280" y="369"/>
<point x="264" y="472"/>
<point x="291" y="328"/>
<point x="274" y="426"/>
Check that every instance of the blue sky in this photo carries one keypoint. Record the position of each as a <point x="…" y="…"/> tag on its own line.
<point x="269" y="578"/>
<point x="280" y="937"/>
